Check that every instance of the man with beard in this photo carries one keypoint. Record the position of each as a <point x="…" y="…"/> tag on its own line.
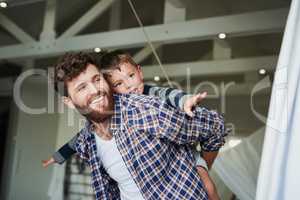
<point x="135" y="145"/>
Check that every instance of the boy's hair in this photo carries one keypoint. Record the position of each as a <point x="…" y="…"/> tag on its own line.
<point x="70" y="66"/>
<point x="112" y="60"/>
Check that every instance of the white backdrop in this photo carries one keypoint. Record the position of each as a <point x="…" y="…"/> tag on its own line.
<point x="280" y="165"/>
<point x="238" y="166"/>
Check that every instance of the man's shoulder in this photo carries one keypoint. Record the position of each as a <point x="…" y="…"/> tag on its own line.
<point x="84" y="132"/>
<point x="138" y="100"/>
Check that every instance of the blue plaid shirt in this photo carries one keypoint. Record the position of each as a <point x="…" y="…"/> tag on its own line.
<point x="154" y="141"/>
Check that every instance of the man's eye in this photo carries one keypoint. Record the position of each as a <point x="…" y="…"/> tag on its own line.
<point x="97" y="79"/>
<point x="81" y="88"/>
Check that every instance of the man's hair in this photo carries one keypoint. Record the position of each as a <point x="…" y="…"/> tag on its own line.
<point x="69" y="67"/>
<point x="112" y="60"/>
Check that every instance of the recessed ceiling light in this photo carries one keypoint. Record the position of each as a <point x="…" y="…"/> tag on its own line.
<point x="156" y="78"/>
<point x="262" y="71"/>
<point x="222" y="36"/>
<point x="3" y="4"/>
<point x="97" y="50"/>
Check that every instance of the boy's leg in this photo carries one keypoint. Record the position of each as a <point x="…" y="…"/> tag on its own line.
<point x="208" y="184"/>
<point x="202" y="170"/>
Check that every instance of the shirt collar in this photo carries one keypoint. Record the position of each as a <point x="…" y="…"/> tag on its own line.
<point x="115" y="121"/>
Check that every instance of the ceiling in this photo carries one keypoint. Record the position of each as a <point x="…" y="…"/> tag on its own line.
<point x="29" y="16"/>
<point x="190" y="43"/>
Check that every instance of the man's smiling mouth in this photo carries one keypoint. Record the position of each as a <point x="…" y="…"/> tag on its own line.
<point x="97" y="99"/>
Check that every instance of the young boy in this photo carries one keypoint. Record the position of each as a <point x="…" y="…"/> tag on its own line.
<point x="125" y="76"/>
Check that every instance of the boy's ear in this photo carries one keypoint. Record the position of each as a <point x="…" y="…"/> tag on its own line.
<point x="68" y="101"/>
<point x="140" y="71"/>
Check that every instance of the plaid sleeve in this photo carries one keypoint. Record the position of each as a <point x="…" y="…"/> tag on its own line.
<point x="171" y="96"/>
<point x="66" y="151"/>
<point x="207" y="127"/>
<point x="214" y="132"/>
<point x="81" y="146"/>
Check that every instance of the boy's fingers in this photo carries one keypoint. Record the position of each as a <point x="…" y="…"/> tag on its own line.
<point x="199" y="97"/>
<point x="193" y="101"/>
<point x="204" y="94"/>
<point x="190" y="113"/>
<point x="44" y="163"/>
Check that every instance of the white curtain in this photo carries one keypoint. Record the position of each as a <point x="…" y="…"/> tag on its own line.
<point x="280" y="165"/>
<point x="238" y="166"/>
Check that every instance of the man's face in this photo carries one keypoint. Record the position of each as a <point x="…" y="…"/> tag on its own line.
<point x="90" y="94"/>
<point x="127" y="79"/>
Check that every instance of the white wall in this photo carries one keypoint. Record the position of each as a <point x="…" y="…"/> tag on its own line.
<point x="69" y="123"/>
<point x="31" y="139"/>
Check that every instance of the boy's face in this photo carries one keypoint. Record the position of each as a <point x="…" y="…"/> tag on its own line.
<point x="127" y="79"/>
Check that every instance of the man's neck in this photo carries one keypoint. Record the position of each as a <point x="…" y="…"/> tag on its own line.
<point x="102" y="128"/>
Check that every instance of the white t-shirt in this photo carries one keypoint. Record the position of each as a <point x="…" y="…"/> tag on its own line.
<point x="114" y="165"/>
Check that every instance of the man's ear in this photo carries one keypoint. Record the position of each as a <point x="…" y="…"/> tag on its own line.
<point x="140" y="71"/>
<point x="68" y="101"/>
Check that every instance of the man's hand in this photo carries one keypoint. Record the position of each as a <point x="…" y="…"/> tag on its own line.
<point x="48" y="162"/>
<point x="192" y="102"/>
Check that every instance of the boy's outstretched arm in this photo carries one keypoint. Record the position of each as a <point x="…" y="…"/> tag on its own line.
<point x="175" y="97"/>
<point x="63" y="154"/>
<point x="48" y="162"/>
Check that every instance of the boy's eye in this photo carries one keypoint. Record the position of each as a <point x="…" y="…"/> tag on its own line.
<point x="117" y="84"/>
<point x="97" y="79"/>
<point x="131" y="75"/>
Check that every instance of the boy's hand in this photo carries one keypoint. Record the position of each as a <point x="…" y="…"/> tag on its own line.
<point x="193" y="101"/>
<point x="48" y="162"/>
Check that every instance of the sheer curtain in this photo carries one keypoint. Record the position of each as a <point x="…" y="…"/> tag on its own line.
<point x="238" y="166"/>
<point x="279" y="171"/>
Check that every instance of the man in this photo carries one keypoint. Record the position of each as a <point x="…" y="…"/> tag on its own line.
<point x="136" y="146"/>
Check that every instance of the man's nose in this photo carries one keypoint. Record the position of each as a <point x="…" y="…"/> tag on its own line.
<point x="93" y="88"/>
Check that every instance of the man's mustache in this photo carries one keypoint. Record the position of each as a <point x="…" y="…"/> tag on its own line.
<point x="85" y="110"/>
<point x="99" y="94"/>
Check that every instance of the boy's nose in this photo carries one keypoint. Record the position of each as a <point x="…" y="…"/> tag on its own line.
<point x="128" y="84"/>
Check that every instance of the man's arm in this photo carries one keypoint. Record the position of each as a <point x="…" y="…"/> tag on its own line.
<point x="180" y="99"/>
<point x="206" y="127"/>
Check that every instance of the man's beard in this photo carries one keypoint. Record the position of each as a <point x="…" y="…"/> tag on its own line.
<point x="95" y="115"/>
